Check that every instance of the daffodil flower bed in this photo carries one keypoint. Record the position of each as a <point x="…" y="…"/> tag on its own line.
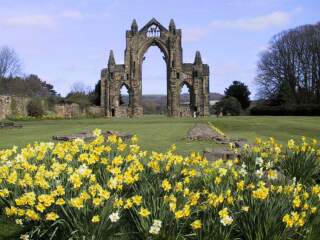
<point x="111" y="189"/>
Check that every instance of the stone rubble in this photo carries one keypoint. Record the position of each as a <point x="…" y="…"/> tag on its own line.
<point x="88" y="135"/>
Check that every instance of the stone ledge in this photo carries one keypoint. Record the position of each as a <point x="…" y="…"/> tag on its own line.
<point x="88" y="135"/>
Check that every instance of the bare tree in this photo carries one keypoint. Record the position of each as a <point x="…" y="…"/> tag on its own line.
<point x="79" y="87"/>
<point x="289" y="71"/>
<point x="9" y="62"/>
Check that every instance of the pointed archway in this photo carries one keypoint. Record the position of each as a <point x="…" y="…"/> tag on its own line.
<point x="195" y="74"/>
<point x="154" y="82"/>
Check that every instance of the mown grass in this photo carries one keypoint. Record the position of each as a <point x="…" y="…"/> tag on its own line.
<point x="158" y="133"/>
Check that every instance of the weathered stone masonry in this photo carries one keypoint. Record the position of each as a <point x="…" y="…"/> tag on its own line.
<point x="194" y="75"/>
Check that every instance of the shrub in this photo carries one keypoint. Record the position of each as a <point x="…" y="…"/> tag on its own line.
<point x="229" y="106"/>
<point x="110" y="189"/>
<point x="34" y="108"/>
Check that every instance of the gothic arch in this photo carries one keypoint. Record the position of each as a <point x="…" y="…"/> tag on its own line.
<point x="169" y="43"/>
<point x="152" y="42"/>
<point x="121" y="96"/>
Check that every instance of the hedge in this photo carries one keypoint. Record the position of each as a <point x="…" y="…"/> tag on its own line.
<point x="287" y="110"/>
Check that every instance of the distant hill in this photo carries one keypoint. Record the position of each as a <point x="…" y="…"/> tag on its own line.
<point x="216" y="96"/>
<point x="157" y="103"/>
<point x="160" y="99"/>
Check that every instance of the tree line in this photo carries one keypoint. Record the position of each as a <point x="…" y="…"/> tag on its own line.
<point x="289" y="70"/>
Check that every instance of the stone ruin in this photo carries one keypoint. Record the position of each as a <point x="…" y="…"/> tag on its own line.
<point x="88" y="135"/>
<point x="203" y="132"/>
<point x="9" y="124"/>
<point x="17" y="107"/>
<point x="194" y="75"/>
<point x="13" y="105"/>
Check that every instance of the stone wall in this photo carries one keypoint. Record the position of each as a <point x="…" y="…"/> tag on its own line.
<point x="75" y="111"/>
<point x="95" y="111"/>
<point x="185" y="111"/>
<point x="121" y="111"/>
<point x="68" y="110"/>
<point x="17" y="106"/>
<point x="13" y="105"/>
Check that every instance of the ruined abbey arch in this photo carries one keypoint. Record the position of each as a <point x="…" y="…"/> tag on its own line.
<point x="195" y="75"/>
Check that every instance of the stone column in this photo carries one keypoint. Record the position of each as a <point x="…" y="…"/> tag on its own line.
<point x="137" y="109"/>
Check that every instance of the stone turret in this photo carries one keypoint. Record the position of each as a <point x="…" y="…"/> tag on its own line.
<point x="172" y="26"/>
<point x="111" y="60"/>
<point x="197" y="59"/>
<point x="134" y="26"/>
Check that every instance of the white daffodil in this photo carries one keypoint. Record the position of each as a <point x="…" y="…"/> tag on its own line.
<point x="226" y="220"/>
<point x="259" y="161"/>
<point x="114" y="217"/>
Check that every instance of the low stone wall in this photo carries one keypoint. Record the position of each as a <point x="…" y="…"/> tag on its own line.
<point x="13" y="105"/>
<point x="95" y="111"/>
<point x="121" y="111"/>
<point x="185" y="111"/>
<point x="74" y="111"/>
<point x="68" y="110"/>
<point x="17" y="106"/>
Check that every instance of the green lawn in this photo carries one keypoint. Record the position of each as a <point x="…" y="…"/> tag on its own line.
<point x="158" y="133"/>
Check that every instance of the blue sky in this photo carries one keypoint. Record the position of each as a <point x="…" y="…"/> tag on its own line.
<point x="69" y="41"/>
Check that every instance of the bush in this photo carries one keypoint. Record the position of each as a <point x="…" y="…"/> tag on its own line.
<point x="109" y="189"/>
<point x="35" y="108"/>
<point x="287" y="110"/>
<point x="229" y="106"/>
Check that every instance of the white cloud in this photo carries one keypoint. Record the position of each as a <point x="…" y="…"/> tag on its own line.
<point x="274" y="19"/>
<point x="40" y="20"/>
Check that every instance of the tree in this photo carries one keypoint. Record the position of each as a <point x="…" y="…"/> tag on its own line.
<point x="95" y="96"/>
<point x="289" y="70"/>
<point x="9" y="62"/>
<point x="28" y="86"/>
<point x="79" y="87"/>
<point x="229" y="105"/>
<point x="239" y="91"/>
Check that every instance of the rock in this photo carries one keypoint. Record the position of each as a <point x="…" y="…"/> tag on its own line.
<point x="124" y="136"/>
<point x="88" y="135"/>
<point x="240" y="142"/>
<point x="217" y="154"/>
<point x="8" y="124"/>
<point x="201" y="131"/>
